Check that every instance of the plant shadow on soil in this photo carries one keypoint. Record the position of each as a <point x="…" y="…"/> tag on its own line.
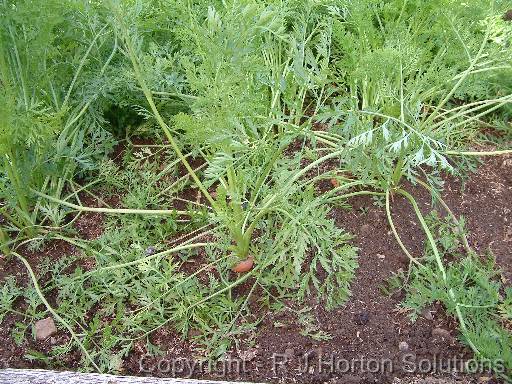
<point x="368" y="327"/>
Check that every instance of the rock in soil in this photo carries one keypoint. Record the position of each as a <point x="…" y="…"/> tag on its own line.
<point x="362" y="318"/>
<point x="403" y="346"/>
<point x="248" y="355"/>
<point x="427" y="314"/>
<point x="45" y="328"/>
<point x="442" y="333"/>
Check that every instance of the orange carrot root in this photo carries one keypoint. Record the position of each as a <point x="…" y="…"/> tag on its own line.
<point x="244" y="266"/>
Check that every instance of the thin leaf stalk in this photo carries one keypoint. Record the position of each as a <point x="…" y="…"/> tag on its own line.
<point x="81" y="208"/>
<point x="50" y="309"/>
<point x="149" y="97"/>
<point x="441" y="267"/>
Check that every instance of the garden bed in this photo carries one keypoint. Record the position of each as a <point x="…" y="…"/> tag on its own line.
<point x="268" y="191"/>
<point x="370" y="326"/>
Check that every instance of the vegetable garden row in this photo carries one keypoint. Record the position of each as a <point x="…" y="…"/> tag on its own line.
<point x="203" y="130"/>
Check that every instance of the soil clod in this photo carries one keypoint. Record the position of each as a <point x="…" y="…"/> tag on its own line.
<point x="427" y="314"/>
<point x="442" y="333"/>
<point x="362" y="318"/>
<point x="403" y="346"/>
<point x="45" y="328"/>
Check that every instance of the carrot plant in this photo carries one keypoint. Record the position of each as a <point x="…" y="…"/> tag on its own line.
<point x="50" y="121"/>
<point x="401" y="123"/>
<point x="231" y="139"/>
<point x="474" y="296"/>
<point x="259" y="199"/>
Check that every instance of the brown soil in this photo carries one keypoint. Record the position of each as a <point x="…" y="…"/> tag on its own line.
<point x="368" y="327"/>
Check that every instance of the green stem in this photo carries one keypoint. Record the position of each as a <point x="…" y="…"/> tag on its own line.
<point x="478" y="153"/>
<point x="441" y="267"/>
<point x="451" y="214"/>
<point x="352" y="194"/>
<point x="112" y="210"/>
<point x="430" y="237"/>
<point x="10" y="218"/>
<point x="397" y="173"/>
<point x="149" y="97"/>
<point x="395" y="233"/>
<point x="4" y="241"/>
<point x="80" y="66"/>
<point x="204" y="300"/>
<point x="476" y="106"/>
<point x="148" y="258"/>
<point x="189" y="277"/>
<point x="259" y="183"/>
<point x="478" y="116"/>
<point x="169" y="94"/>
<point x="242" y="307"/>
<point x="177" y="181"/>
<point x="86" y="190"/>
<point x="14" y="177"/>
<point x="264" y="210"/>
<point x="465" y="74"/>
<point x="53" y="312"/>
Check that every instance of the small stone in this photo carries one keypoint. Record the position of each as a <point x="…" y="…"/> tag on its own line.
<point x="150" y="251"/>
<point x="427" y="314"/>
<point x="440" y="332"/>
<point x="248" y="355"/>
<point x="45" y="328"/>
<point x="484" y="379"/>
<point x="403" y="346"/>
<point x="381" y="256"/>
<point x="53" y="340"/>
<point x="362" y="318"/>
